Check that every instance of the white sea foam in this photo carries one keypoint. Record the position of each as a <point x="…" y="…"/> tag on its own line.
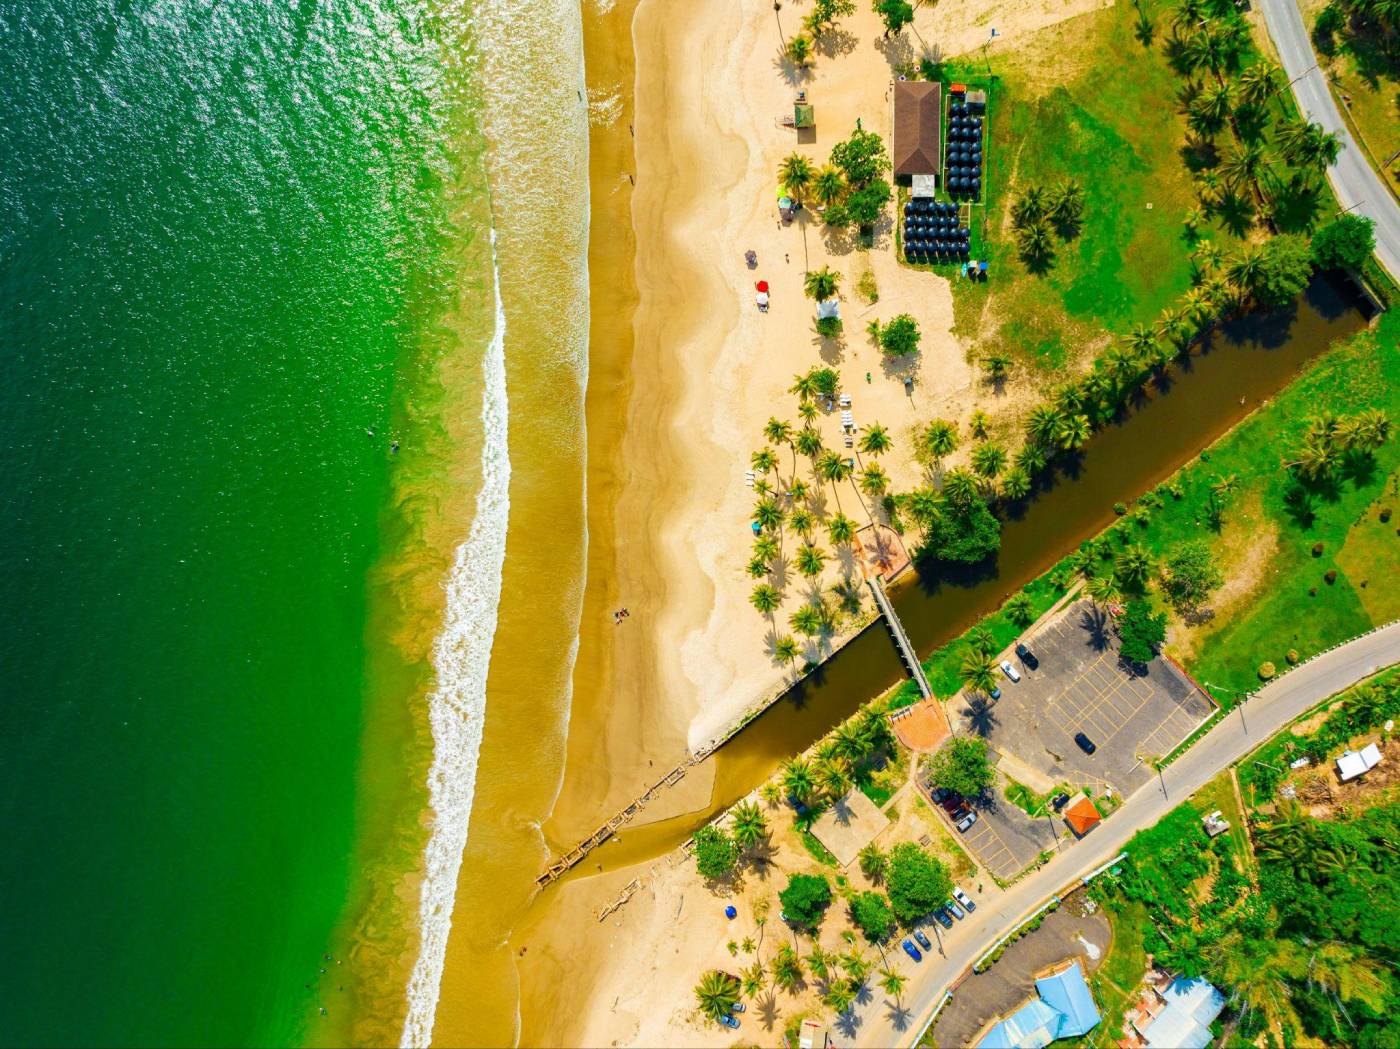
<point x="457" y="707"/>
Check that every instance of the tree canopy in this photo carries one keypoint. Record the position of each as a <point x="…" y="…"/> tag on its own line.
<point x="716" y="853"/>
<point x="873" y="916"/>
<point x="917" y="883"/>
<point x="962" y="766"/>
<point x="964" y="531"/>
<point x="900" y="337"/>
<point x="1344" y="243"/>
<point x="1141" y="632"/>
<point x="1285" y="267"/>
<point x="1189" y="576"/>
<point x="806" y="899"/>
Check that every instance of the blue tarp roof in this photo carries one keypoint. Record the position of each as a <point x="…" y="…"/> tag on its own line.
<point x="1068" y="994"/>
<point x="1033" y="1026"/>
<point x="1184" y="1023"/>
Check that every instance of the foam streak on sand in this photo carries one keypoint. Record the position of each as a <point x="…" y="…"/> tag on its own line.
<point x="457" y="707"/>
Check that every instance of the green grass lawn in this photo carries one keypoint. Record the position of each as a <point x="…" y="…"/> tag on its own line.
<point x="1115" y="981"/>
<point x="1219" y="794"/>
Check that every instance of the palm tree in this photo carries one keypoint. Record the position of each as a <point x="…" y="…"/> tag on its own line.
<point x="771" y="792"/>
<point x="1066" y="204"/>
<point x="809" y="442"/>
<point x="1343" y="970"/>
<point x="798" y="491"/>
<point x="821" y="284"/>
<point x="1036" y="242"/>
<point x="1257" y="83"/>
<point x="997" y="366"/>
<point x="1072" y="431"/>
<point x="892" y="983"/>
<point x="854" y="961"/>
<point x="805" y="386"/>
<point x="785" y="648"/>
<point x="716" y="993"/>
<point x="821" y="961"/>
<point x="797" y="779"/>
<point x="1245" y="268"/>
<point x="1317" y="458"/>
<point x="978" y="672"/>
<point x="1212" y="107"/>
<point x="988" y="459"/>
<point x="875" y="440"/>
<point x="755" y="979"/>
<point x="1029" y="208"/>
<point x="1042" y="425"/>
<point x="940" y="439"/>
<point x="765" y="598"/>
<point x="810" y="560"/>
<point x="757" y="568"/>
<point x="763" y="461"/>
<point x="809" y="621"/>
<point x="777" y="431"/>
<point x="960" y="487"/>
<point x="980" y="639"/>
<point x="765" y="548"/>
<point x="802" y="521"/>
<point x="840" y="996"/>
<point x="1020" y="608"/>
<point x="1254" y="967"/>
<point x="873" y="481"/>
<point x="979" y="423"/>
<point x="834" y="775"/>
<point x="768" y="514"/>
<point x="795" y="175"/>
<point x="799" y="50"/>
<point x="834" y="469"/>
<point x="1243" y="166"/>
<point x="1133" y="565"/>
<point x="1016" y="485"/>
<point x="750" y="825"/>
<point x="1102" y="590"/>
<point x="873" y="862"/>
<point x="1372" y="429"/>
<point x="787" y="968"/>
<point x="841" y="529"/>
<point x="828" y="186"/>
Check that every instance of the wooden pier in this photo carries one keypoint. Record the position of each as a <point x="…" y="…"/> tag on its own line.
<point x="901" y="639"/>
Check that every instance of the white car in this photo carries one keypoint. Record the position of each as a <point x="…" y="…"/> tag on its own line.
<point x="965" y="900"/>
<point x="1009" y="670"/>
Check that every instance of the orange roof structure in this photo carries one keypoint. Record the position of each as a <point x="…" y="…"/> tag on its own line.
<point x="917" y="115"/>
<point x="922" y="726"/>
<point x="1082" y="815"/>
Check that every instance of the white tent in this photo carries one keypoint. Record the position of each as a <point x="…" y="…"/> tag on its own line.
<point x="1357" y="763"/>
<point x="924" y="186"/>
<point x="829" y="308"/>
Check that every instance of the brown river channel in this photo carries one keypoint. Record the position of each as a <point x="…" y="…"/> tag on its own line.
<point x="1230" y="372"/>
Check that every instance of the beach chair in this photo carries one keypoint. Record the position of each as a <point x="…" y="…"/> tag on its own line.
<point x="845" y="400"/>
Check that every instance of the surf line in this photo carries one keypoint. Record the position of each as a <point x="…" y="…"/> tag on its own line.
<point x="457" y="706"/>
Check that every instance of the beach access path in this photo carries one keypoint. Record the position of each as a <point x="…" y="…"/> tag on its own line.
<point x="879" y="1023"/>
<point x="1358" y="186"/>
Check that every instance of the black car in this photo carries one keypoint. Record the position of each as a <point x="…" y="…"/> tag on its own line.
<point x="1085" y="743"/>
<point x="1059" y="802"/>
<point x="923" y="940"/>
<point x="944" y="918"/>
<point x="1026" y="656"/>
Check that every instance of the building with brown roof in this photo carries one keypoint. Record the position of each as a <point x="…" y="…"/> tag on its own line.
<point x="1081" y="816"/>
<point x="917" y="135"/>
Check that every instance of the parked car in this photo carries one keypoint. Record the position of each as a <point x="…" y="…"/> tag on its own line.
<point x="1085" y="743"/>
<point x="923" y="940"/>
<point x="939" y="793"/>
<point x="960" y="813"/>
<point x="730" y="1021"/>
<point x="951" y="802"/>
<point x="958" y="912"/>
<point x="1060" y="801"/>
<point x="996" y="693"/>
<point x="1026" y="656"/>
<point x="943" y="917"/>
<point x="967" y="821"/>
<point x="965" y="900"/>
<point x="1009" y="670"/>
<point x="911" y="950"/>
<point x="737" y="1007"/>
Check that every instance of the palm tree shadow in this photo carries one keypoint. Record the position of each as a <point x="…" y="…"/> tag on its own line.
<point x="848" y="1023"/>
<point x="767" y="1009"/>
<point x="899" y="1015"/>
<point x="980" y="718"/>
<point x="1094" y="621"/>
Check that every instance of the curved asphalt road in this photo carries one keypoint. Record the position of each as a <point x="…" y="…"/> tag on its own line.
<point x="876" y="1022"/>
<point x="1357" y="184"/>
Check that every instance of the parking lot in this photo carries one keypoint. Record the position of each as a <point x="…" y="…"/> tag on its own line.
<point x="1132" y="714"/>
<point x="1004" y="838"/>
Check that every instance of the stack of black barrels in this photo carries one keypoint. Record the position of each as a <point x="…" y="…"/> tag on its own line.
<point x="962" y="171"/>
<point x="932" y="232"/>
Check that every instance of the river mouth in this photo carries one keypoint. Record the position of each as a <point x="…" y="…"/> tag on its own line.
<point x="1230" y="372"/>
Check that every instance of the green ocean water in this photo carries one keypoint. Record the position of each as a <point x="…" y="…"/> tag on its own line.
<point x="224" y="256"/>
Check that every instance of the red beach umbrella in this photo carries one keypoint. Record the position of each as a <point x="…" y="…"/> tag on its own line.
<point x="762" y="285"/>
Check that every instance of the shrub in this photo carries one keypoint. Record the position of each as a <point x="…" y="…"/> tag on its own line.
<point x="1317" y="550"/>
<point x="806" y="899"/>
<point x="1292" y="656"/>
<point x="1266" y="671"/>
<point x="900" y="337"/>
<point x="917" y="882"/>
<point x="1141" y="632"/>
<point x="1344" y="243"/>
<point x="962" y="766"/>
<point x="829" y="327"/>
<point x="1331" y="576"/>
<point x="873" y="916"/>
<point x="716" y="853"/>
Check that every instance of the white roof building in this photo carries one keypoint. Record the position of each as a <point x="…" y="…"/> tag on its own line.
<point x="1355" y="763"/>
<point x="829" y="308"/>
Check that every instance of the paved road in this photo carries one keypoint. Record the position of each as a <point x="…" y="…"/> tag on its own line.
<point x="1356" y="182"/>
<point x="877" y="1023"/>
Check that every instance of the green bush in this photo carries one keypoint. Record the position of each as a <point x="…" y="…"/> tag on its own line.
<point x="962" y="766"/>
<point x="716" y="853"/>
<point x="1344" y="243"/>
<point x="1141" y="632"/>
<point x="806" y="899"/>
<point x="900" y="337"/>
<point x="916" y="881"/>
<point x="872" y="915"/>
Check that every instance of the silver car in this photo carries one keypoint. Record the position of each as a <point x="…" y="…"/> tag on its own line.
<point x="1009" y="670"/>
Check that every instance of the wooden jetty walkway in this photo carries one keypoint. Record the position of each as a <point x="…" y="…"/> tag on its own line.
<point x="901" y="639"/>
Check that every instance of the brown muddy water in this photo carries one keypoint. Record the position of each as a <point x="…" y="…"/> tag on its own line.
<point x="1230" y="372"/>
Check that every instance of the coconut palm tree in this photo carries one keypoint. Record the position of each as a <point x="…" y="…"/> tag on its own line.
<point x="750" y="825"/>
<point x="988" y="459"/>
<point x="1066" y="203"/>
<point x="1258" y="83"/>
<point x="940" y="440"/>
<point x="716" y="993"/>
<point x="771" y="793"/>
<point x="1072" y="432"/>
<point x="802" y="521"/>
<point x="979" y="423"/>
<point x="821" y="962"/>
<point x="828" y="186"/>
<point x="765" y="598"/>
<point x="875" y="440"/>
<point x="960" y="487"/>
<point x="765" y="548"/>
<point x="1207" y="255"/>
<point x="1036" y="242"/>
<point x="787" y="968"/>
<point x="821" y="284"/>
<point x="978" y="672"/>
<point x="1245" y="269"/>
<point x="757" y="568"/>
<point x="924" y="505"/>
<point x="763" y="461"/>
<point x="809" y="443"/>
<point x="1212" y="108"/>
<point x="785" y="648"/>
<point x="799" y="50"/>
<point x="1042" y="425"/>
<point x="1015" y="484"/>
<point x="809" y="621"/>
<point x="1244" y="166"/>
<point x="834" y="470"/>
<point x="892" y="983"/>
<point x="805" y="386"/>
<point x="1133" y="565"/>
<point x="795" y="175"/>
<point x="834" y="776"/>
<point x="1020" y="608"/>
<point x="980" y="639"/>
<point x="1102" y="590"/>
<point x="798" y="491"/>
<point x="1371" y="429"/>
<point x="997" y="366"/>
<point x="777" y="431"/>
<point x="797" y="779"/>
<point x="1344" y="971"/>
<point x="1254" y="967"/>
<point x="840" y="996"/>
<point x="754" y="980"/>
<point x="768" y="514"/>
<point x="873" y="481"/>
<point x="841" y="530"/>
<point x="855" y="962"/>
<point x="873" y="862"/>
<point x="810" y="560"/>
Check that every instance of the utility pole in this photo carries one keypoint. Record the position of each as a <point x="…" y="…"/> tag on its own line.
<point x="994" y="34"/>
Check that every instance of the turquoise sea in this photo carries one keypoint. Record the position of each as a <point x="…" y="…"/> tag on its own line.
<point x="231" y="235"/>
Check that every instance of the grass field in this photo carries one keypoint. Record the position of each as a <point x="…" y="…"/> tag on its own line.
<point x="1115" y="982"/>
